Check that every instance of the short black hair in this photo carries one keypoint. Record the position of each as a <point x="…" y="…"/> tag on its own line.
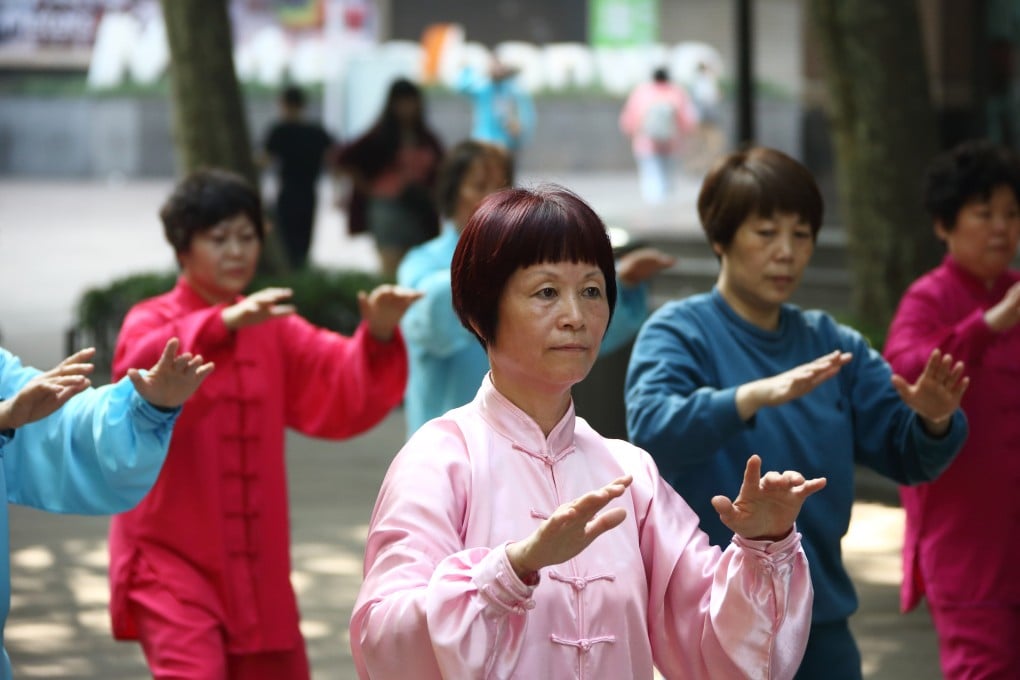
<point x="972" y="169"/>
<point x="660" y="75"/>
<point x="203" y="199"/>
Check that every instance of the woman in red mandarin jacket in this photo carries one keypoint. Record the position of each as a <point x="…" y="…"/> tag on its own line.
<point x="200" y="570"/>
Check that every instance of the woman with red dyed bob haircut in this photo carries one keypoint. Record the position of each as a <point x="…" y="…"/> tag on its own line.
<point x="482" y="558"/>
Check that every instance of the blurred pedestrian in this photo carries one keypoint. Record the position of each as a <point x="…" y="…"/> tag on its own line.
<point x="716" y="377"/>
<point x="446" y="360"/>
<point x="200" y="570"/>
<point x="710" y="141"/>
<point x="658" y="116"/>
<point x="959" y="551"/>
<point x="68" y="448"/>
<point x="502" y="111"/>
<point x="511" y="540"/>
<point x="296" y="147"/>
<point x="393" y="167"/>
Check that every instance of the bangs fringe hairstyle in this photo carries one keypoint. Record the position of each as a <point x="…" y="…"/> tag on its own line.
<point x="517" y="228"/>
<point x="970" y="170"/>
<point x="205" y="198"/>
<point x="757" y="182"/>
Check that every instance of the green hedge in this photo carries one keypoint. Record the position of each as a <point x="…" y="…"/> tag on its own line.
<point x="327" y="298"/>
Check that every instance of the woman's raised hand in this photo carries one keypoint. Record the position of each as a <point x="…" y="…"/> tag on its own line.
<point x="45" y="393"/>
<point x="937" y="393"/>
<point x="173" y="379"/>
<point x="788" y="385"/>
<point x="569" y="530"/>
<point x="766" y="507"/>
<point x="258" y="307"/>
<point x="383" y="308"/>
<point x="1006" y="312"/>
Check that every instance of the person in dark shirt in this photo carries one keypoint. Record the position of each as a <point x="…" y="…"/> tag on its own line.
<point x="296" y="147"/>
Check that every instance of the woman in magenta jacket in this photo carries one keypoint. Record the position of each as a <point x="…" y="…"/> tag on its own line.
<point x="959" y="551"/>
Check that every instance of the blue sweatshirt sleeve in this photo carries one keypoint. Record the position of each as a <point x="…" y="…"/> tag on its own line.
<point x="675" y="410"/>
<point x="889" y="437"/>
<point x="98" y="454"/>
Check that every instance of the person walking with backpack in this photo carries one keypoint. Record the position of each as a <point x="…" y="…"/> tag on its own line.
<point x="656" y="116"/>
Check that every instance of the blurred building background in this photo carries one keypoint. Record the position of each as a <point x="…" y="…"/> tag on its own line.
<point x="83" y="89"/>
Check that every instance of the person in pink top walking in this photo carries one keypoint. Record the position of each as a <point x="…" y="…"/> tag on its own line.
<point x="511" y="540"/>
<point x="657" y="116"/>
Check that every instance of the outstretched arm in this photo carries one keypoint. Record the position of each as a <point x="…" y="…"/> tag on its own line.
<point x="103" y="449"/>
<point x="47" y="392"/>
<point x="383" y="308"/>
<point x="788" y="385"/>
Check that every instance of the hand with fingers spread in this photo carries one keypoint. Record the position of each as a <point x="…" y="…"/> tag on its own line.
<point x="569" y="530"/>
<point x="260" y="306"/>
<point x="789" y="385"/>
<point x="383" y="308"/>
<point x="48" y="391"/>
<point x="173" y="379"/>
<point x="766" y="507"/>
<point x="937" y="393"/>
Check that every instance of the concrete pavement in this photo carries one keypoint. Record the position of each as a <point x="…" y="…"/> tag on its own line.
<point x="58" y="238"/>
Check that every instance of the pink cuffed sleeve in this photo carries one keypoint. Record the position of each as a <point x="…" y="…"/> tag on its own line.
<point x="458" y="612"/>
<point x="743" y="612"/>
<point x="477" y="608"/>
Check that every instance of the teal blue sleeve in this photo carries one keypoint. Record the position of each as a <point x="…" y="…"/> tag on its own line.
<point x="431" y="322"/>
<point x="98" y="454"/>
<point x="889" y="437"/>
<point x="631" y="311"/>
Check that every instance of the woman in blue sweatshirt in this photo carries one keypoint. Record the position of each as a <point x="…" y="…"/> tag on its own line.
<point x="721" y="375"/>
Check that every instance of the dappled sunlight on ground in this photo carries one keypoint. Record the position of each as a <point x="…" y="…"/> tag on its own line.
<point x="873" y="544"/>
<point x="893" y="645"/>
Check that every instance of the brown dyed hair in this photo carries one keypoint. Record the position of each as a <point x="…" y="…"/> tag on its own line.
<point x="756" y="182"/>
<point x="202" y="200"/>
<point x="517" y="228"/>
<point x="455" y="168"/>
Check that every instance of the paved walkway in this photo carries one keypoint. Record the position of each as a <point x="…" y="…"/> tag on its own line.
<point x="58" y="238"/>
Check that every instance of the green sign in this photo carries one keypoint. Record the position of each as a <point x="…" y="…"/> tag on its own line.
<point x="623" y="23"/>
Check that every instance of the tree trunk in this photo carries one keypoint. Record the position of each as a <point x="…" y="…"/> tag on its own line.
<point x="210" y="126"/>
<point x="885" y="134"/>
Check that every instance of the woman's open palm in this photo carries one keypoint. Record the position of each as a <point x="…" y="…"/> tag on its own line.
<point x="570" y="529"/>
<point x="766" y="507"/>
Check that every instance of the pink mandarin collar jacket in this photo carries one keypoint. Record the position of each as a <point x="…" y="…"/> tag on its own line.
<point x="440" y="599"/>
